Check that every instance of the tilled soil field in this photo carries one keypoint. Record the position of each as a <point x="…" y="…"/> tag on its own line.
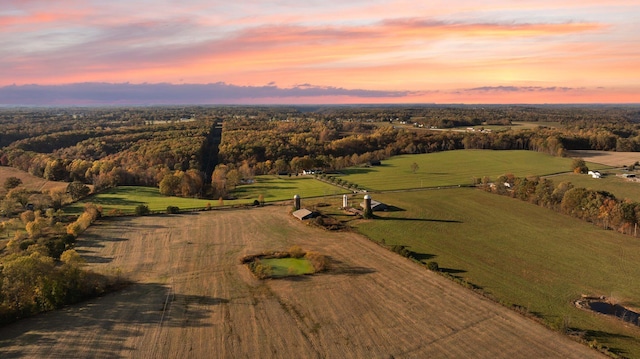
<point x="193" y="299"/>
<point x="609" y="158"/>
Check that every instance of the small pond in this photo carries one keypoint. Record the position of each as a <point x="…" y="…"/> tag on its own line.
<point x="616" y="310"/>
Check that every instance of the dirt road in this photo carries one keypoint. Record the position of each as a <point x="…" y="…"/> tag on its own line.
<point x="193" y="299"/>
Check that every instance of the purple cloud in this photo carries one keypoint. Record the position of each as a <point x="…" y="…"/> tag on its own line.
<point x="93" y="93"/>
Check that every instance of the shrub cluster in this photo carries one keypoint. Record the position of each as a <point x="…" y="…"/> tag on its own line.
<point x="173" y="210"/>
<point x="260" y="270"/>
<point x="402" y="250"/>
<point x="433" y="266"/>
<point x="142" y="210"/>
<point x="320" y="262"/>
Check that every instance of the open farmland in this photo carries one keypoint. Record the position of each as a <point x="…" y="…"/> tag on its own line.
<point x="458" y="167"/>
<point x="609" y="158"/>
<point x="192" y="298"/>
<point x="520" y="254"/>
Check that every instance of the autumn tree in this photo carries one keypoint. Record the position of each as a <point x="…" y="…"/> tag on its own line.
<point x="191" y="184"/>
<point x="78" y="190"/>
<point x="8" y="206"/>
<point x="55" y="171"/>
<point x="219" y="181"/>
<point x="20" y="195"/>
<point x="578" y="165"/>
<point x="12" y="182"/>
<point x="232" y="179"/>
<point x="169" y="184"/>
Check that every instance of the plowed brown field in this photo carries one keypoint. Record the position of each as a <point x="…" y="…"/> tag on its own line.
<point x="193" y="299"/>
<point x="609" y="158"/>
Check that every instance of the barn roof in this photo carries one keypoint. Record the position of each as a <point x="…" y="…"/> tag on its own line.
<point x="303" y="213"/>
<point x="375" y="205"/>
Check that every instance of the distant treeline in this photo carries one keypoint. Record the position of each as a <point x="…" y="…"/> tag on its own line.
<point x="142" y="146"/>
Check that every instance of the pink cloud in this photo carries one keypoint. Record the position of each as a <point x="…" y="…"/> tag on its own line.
<point x="390" y="45"/>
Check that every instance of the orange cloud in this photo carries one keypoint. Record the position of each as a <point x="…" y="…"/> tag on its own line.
<point x="350" y="45"/>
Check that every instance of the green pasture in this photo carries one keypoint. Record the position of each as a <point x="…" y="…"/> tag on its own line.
<point x="282" y="267"/>
<point x="533" y="124"/>
<point x="125" y="199"/>
<point x="280" y="188"/>
<point x="620" y="187"/>
<point x="518" y="253"/>
<point x="453" y="168"/>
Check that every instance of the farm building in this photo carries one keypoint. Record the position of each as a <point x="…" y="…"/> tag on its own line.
<point x="303" y="214"/>
<point x="375" y="206"/>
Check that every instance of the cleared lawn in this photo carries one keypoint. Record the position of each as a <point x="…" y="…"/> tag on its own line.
<point x="127" y="198"/>
<point x="452" y="168"/>
<point x="282" y="267"/>
<point x="194" y="299"/>
<point x="620" y="187"/>
<point x="280" y="188"/>
<point x="519" y="253"/>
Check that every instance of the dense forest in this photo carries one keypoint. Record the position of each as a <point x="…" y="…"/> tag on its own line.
<point x="206" y="151"/>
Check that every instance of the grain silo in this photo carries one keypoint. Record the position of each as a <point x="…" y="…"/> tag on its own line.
<point x="367" y="203"/>
<point x="296" y="202"/>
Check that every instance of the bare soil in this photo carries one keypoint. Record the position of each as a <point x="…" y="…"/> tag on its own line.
<point x="608" y="158"/>
<point x="194" y="299"/>
<point x="30" y="181"/>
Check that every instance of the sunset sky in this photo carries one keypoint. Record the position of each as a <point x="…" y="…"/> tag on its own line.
<point x="346" y="51"/>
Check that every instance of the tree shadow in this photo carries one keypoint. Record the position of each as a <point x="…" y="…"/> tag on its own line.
<point x="87" y="244"/>
<point x="295" y="278"/>
<point x="603" y="336"/>
<point x="113" y="318"/>
<point x="96" y="259"/>
<point x="452" y="271"/>
<point x="125" y="220"/>
<point x="253" y="188"/>
<point x="358" y="170"/>
<point x="113" y="201"/>
<point x="422" y="257"/>
<point x="394" y="209"/>
<point x="338" y="267"/>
